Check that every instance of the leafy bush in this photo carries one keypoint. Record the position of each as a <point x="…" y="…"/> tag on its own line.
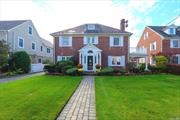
<point x="106" y="71"/>
<point x="142" y="67"/>
<point x="123" y="71"/>
<point x="22" y="61"/>
<point x="50" y="68"/>
<point x="98" y="66"/>
<point x="80" y="66"/>
<point x="65" y="63"/>
<point x="46" y="61"/>
<point x="4" y="68"/>
<point x="173" y="68"/>
<point x="131" y="66"/>
<point x="72" y="71"/>
<point x="161" y="62"/>
<point x="63" y="70"/>
<point x="154" y="69"/>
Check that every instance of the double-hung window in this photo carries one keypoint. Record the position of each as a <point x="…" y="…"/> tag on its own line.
<point x="176" y="59"/>
<point x="48" y="50"/>
<point x="116" y="60"/>
<point x="63" y="58"/>
<point x="30" y="30"/>
<point x="33" y="46"/>
<point x="175" y="43"/>
<point x="20" y="42"/>
<point x="116" y="41"/>
<point x="153" y="46"/>
<point x="65" y="41"/>
<point x="90" y="39"/>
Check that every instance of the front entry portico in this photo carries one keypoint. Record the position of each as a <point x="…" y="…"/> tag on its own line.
<point x="89" y="57"/>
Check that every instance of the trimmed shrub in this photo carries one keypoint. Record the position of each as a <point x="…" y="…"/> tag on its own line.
<point x="154" y="69"/>
<point x="72" y="71"/>
<point x="173" y="68"/>
<point x="80" y="66"/>
<point x="106" y="71"/>
<point x="50" y="68"/>
<point x="22" y="61"/>
<point x="161" y="62"/>
<point x="63" y="70"/>
<point x="65" y="63"/>
<point x="123" y="71"/>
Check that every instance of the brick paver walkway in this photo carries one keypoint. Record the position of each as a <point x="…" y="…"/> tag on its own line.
<point x="81" y="105"/>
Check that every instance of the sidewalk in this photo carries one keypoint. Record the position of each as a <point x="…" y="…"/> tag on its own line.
<point x="7" y="79"/>
<point x="81" y="105"/>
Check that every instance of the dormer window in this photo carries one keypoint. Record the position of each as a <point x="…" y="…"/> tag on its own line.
<point x="91" y="27"/>
<point x="172" y="31"/>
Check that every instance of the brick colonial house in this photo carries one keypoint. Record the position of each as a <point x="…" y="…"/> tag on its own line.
<point x="163" y="40"/>
<point x="92" y="44"/>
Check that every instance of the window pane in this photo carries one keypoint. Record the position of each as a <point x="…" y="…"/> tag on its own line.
<point x="171" y="31"/>
<point x="21" y="42"/>
<point x="30" y="30"/>
<point x="116" y="41"/>
<point x="175" y="43"/>
<point x="33" y="46"/>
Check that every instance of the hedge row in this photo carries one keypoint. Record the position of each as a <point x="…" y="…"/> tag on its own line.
<point x="173" y="68"/>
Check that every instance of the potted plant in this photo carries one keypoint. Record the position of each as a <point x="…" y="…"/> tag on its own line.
<point x="80" y="68"/>
<point x="98" y="67"/>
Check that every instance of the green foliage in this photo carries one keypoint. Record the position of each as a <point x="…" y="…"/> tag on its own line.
<point x="131" y="66"/>
<point x="65" y="63"/>
<point x="22" y="61"/>
<point x="63" y="70"/>
<point x="47" y="62"/>
<point x="72" y="71"/>
<point x="106" y="71"/>
<point x="50" y="68"/>
<point x="4" y="49"/>
<point x="141" y="67"/>
<point x="123" y="71"/>
<point x="161" y="62"/>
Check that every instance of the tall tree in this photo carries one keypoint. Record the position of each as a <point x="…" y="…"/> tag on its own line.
<point x="4" y="53"/>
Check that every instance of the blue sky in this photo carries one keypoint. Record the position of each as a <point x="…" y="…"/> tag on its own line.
<point x="54" y="15"/>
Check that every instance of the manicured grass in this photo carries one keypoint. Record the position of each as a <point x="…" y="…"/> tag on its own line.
<point x="148" y="97"/>
<point x="36" y="98"/>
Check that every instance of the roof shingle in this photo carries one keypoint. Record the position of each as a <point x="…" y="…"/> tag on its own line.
<point x="6" y="25"/>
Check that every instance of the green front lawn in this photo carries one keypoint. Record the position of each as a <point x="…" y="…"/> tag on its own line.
<point x="148" y="97"/>
<point x="36" y="98"/>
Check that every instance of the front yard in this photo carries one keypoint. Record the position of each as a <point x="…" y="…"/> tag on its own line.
<point x="148" y="97"/>
<point x="39" y="97"/>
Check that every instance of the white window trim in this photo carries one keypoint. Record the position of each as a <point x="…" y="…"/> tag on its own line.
<point x="171" y="43"/>
<point x="70" y="41"/>
<point x="122" y="62"/>
<point x="121" y="43"/>
<point x="35" y="46"/>
<point x="23" y="42"/>
<point x="59" y="58"/>
<point x="31" y="28"/>
<point x="96" y="40"/>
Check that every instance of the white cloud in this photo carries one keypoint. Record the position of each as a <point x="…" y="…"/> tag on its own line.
<point x="52" y="15"/>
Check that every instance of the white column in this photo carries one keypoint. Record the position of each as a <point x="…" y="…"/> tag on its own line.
<point x="146" y="64"/>
<point x="80" y="58"/>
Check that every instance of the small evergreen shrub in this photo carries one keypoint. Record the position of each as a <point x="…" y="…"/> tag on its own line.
<point x="106" y="71"/>
<point x="22" y="61"/>
<point x="72" y="71"/>
<point x="161" y="62"/>
<point x="63" y="70"/>
<point x="50" y="68"/>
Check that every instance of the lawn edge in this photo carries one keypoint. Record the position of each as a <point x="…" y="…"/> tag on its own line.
<point x="67" y="101"/>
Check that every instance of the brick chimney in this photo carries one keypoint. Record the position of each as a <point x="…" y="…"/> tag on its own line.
<point x="122" y="24"/>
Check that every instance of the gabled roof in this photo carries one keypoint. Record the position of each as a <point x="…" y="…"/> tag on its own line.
<point x="90" y="47"/>
<point x="7" y="25"/>
<point x="82" y="29"/>
<point x="47" y="43"/>
<point x="159" y="29"/>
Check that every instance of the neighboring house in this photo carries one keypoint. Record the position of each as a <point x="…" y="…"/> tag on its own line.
<point x="163" y="40"/>
<point x="21" y="35"/>
<point x="92" y="44"/>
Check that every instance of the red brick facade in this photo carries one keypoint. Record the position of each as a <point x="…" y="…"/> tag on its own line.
<point x="162" y="44"/>
<point x="103" y="44"/>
